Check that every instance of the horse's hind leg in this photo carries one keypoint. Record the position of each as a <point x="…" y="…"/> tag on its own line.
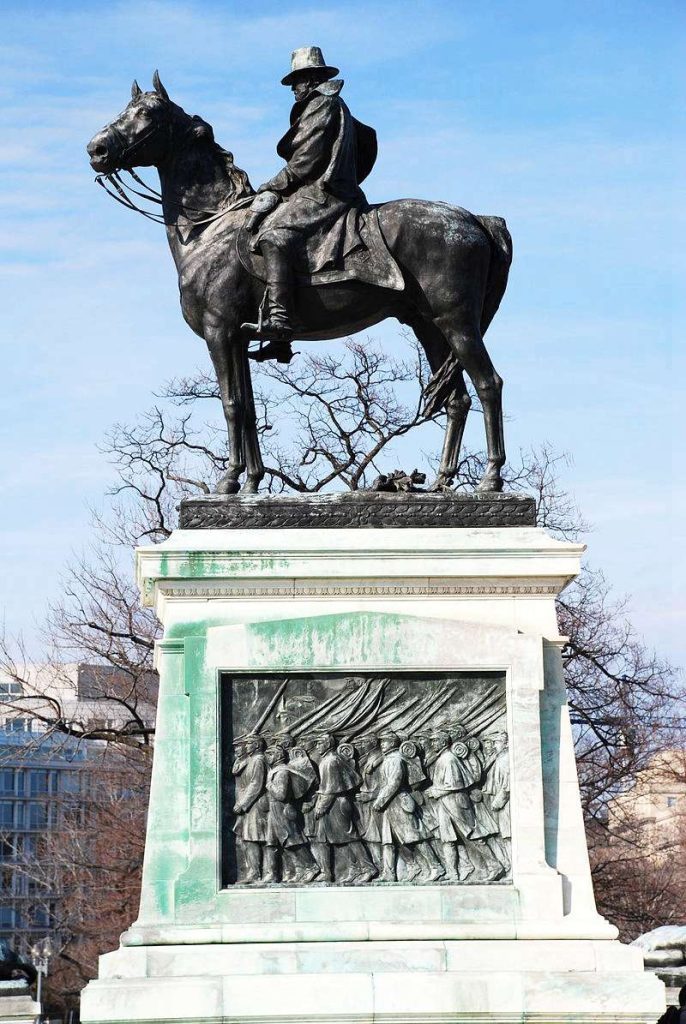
<point x="457" y="406"/>
<point x="457" y="409"/>
<point x="469" y="349"/>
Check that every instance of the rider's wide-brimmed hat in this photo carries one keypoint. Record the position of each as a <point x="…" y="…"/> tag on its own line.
<point x="307" y="58"/>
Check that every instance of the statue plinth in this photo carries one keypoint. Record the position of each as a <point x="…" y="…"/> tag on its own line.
<point x="356" y="509"/>
<point x="364" y="803"/>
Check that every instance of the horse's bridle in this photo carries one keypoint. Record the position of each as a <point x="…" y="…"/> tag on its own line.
<point x="126" y="149"/>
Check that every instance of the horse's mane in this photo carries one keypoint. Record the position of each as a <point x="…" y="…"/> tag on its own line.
<point x="240" y="183"/>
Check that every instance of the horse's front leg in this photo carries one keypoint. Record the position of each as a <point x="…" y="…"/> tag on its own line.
<point x="222" y="353"/>
<point x="251" y="441"/>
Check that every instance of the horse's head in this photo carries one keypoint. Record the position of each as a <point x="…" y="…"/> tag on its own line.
<point x="140" y="136"/>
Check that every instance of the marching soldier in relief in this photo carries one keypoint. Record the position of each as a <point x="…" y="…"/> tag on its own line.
<point x="496" y="789"/>
<point x="371" y="820"/>
<point x="335" y="825"/>
<point x="450" y="784"/>
<point x="402" y="825"/>
<point x="252" y="804"/>
<point x="284" y="822"/>
<point x="486" y="826"/>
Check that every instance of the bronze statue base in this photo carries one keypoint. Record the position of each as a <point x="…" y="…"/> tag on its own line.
<point x="355" y="510"/>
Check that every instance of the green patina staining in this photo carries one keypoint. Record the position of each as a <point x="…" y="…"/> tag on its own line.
<point x="163" y="895"/>
<point x="372" y="638"/>
<point x="203" y="565"/>
<point x="157" y="901"/>
<point x="182" y="630"/>
<point x="195" y="676"/>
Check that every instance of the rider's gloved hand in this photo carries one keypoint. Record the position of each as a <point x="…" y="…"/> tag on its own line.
<point x="262" y="204"/>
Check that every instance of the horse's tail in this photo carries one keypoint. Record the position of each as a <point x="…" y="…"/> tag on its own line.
<point x="501" y="248"/>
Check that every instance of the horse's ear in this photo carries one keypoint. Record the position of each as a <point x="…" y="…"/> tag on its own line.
<point x="159" y="88"/>
<point x="135" y="90"/>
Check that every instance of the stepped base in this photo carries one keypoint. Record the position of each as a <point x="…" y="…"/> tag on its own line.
<point x="372" y="982"/>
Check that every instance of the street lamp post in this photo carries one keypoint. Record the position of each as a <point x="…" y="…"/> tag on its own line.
<point x="40" y="957"/>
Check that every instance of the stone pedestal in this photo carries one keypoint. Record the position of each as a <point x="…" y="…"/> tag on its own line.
<point x="445" y="603"/>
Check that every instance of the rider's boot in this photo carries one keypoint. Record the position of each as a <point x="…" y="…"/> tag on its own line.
<point x="276" y="328"/>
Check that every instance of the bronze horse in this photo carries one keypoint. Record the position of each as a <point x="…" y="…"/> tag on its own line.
<point x="455" y="267"/>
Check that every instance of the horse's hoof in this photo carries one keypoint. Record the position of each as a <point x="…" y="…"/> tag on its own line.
<point x="490" y="485"/>
<point x="227" y="486"/>
<point x="441" y="485"/>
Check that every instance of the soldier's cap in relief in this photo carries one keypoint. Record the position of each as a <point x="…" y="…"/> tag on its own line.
<point x="307" y="58"/>
<point x="388" y="734"/>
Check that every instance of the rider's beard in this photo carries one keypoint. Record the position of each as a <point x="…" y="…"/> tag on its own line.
<point x="301" y="90"/>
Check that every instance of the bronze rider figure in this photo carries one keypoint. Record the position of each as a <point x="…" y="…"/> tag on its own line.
<point x="298" y="215"/>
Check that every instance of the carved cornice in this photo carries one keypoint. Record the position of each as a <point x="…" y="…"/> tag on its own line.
<point x="326" y="588"/>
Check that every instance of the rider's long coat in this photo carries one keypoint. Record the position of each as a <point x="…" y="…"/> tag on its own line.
<point x="327" y="153"/>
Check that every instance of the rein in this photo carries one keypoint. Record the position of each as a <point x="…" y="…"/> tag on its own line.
<point x="121" y="187"/>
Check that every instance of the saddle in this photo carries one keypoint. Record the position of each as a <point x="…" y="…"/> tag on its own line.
<point x="368" y="259"/>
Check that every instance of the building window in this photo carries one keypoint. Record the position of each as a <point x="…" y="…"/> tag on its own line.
<point x="39" y="917"/>
<point x="38" y="816"/>
<point x="69" y="783"/>
<point x="671" y="801"/>
<point x="10" y="689"/>
<point x="38" y="782"/>
<point x="7" y="780"/>
<point x="7" y="917"/>
<point x="18" y="724"/>
<point x="30" y="847"/>
<point x="6" y="814"/>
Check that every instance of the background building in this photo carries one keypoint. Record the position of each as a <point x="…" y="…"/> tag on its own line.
<point x="655" y="806"/>
<point x="45" y="778"/>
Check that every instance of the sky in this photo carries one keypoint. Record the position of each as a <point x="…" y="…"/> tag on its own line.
<point x="566" y="118"/>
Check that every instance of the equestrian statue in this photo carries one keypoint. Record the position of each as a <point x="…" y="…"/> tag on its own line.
<point x="307" y="257"/>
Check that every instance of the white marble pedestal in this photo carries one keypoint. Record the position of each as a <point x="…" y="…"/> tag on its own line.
<point x="533" y="949"/>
